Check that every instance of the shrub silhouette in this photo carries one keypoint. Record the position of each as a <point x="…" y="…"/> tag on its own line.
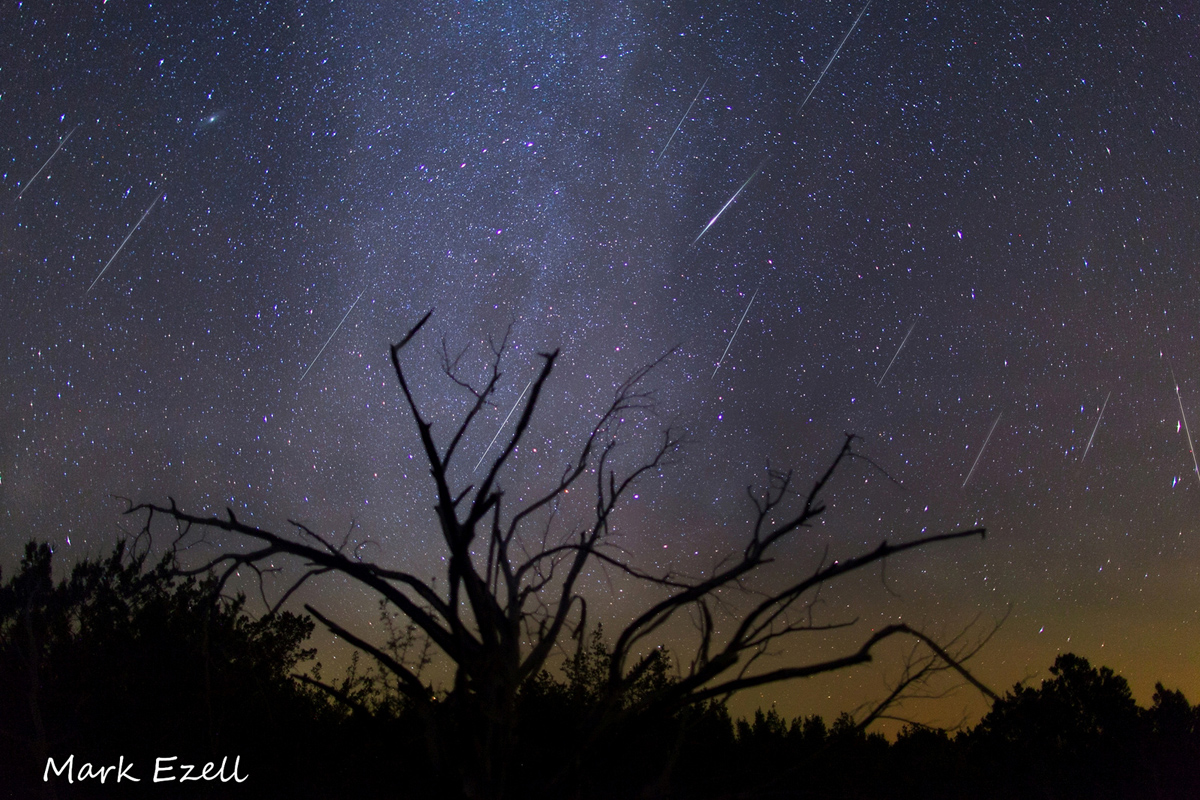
<point x="121" y="660"/>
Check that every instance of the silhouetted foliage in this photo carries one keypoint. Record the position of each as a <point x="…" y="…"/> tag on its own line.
<point x="120" y="659"/>
<point x="1080" y="734"/>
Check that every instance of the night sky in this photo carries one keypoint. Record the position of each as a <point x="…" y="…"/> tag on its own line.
<point x="992" y="204"/>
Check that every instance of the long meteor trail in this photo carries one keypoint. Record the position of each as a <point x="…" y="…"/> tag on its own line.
<point x="898" y="349"/>
<point x="335" y="330"/>
<point x="682" y="119"/>
<point x="1097" y="426"/>
<point x="735" y="333"/>
<point x="1191" y="447"/>
<point x="985" y="444"/>
<point x="829" y="63"/>
<point x="502" y="424"/>
<point x="48" y="160"/>
<point x="129" y="235"/>
<point x="729" y="202"/>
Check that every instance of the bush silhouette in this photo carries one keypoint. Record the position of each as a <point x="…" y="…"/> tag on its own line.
<point x="118" y="659"/>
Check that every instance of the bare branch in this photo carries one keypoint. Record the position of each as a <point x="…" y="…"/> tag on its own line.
<point x="410" y="684"/>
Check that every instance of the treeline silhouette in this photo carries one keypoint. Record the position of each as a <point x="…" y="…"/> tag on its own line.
<point x="122" y="659"/>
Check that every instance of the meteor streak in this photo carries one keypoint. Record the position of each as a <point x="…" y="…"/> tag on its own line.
<point x="729" y="202"/>
<point x="985" y="444"/>
<point x="145" y="214"/>
<point x="682" y="120"/>
<point x="48" y="160"/>
<point x="829" y="63"/>
<point x="502" y="424"/>
<point x="1097" y="426"/>
<point x="735" y="333"/>
<point x="898" y="349"/>
<point x="1191" y="447"/>
<point x="335" y="330"/>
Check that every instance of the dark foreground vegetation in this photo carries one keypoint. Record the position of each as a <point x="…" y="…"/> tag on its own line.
<point x="120" y="659"/>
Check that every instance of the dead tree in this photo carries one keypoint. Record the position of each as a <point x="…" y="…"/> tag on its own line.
<point x="512" y="595"/>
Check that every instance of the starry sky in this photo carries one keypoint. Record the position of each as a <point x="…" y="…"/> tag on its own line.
<point x="215" y="217"/>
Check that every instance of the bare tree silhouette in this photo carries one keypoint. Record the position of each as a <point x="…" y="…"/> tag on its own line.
<point x="512" y="593"/>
